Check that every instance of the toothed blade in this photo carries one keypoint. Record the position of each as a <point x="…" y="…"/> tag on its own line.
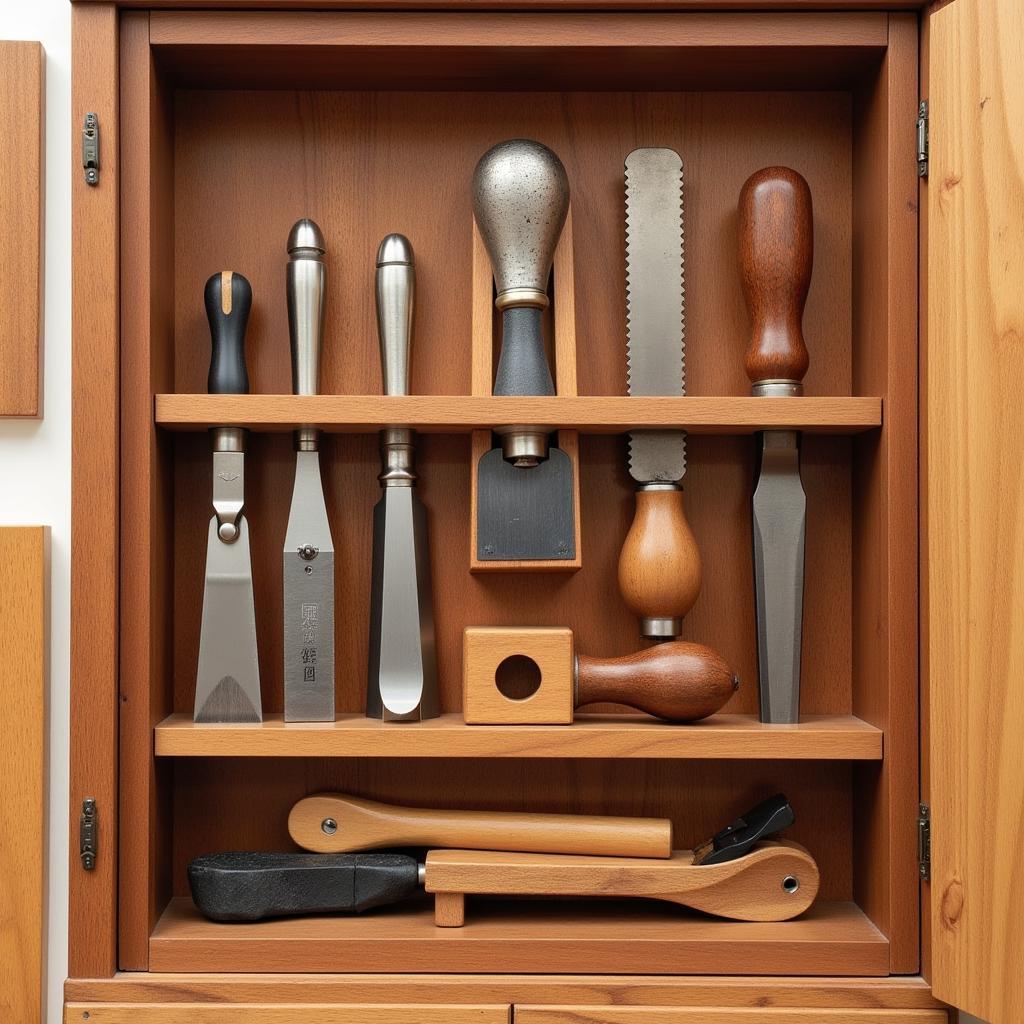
<point x="655" y="297"/>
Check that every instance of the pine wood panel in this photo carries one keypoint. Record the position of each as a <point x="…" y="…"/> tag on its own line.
<point x="817" y="737"/>
<point x="975" y="504"/>
<point x="296" y="1013"/>
<point x="24" y="640"/>
<point x="22" y="90"/>
<point x="663" y="1015"/>
<point x="464" y="413"/>
<point x="831" y="938"/>
<point x="95" y="475"/>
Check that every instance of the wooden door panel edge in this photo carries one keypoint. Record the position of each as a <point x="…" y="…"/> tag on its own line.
<point x="724" y="1015"/>
<point x="285" y="1013"/>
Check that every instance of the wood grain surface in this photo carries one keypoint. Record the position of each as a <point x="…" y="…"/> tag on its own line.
<point x="22" y="111"/>
<point x="975" y="505"/>
<point x="24" y="681"/>
<point x="661" y="1015"/>
<point x="283" y="1013"/>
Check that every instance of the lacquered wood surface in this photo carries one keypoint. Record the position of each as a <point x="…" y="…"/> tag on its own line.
<point x="661" y="1015"/>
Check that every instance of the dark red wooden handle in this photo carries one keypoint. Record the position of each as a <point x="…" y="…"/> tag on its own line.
<point x="776" y="254"/>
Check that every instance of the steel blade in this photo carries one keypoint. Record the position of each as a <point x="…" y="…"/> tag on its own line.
<point x="655" y="295"/>
<point x="402" y="679"/>
<point x="228" y="676"/>
<point x="779" y="518"/>
<point x="308" y="599"/>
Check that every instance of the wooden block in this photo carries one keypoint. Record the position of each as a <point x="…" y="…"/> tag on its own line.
<point x="23" y="573"/>
<point x="21" y="226"/>
<point x="450" y="909"/>
<point x="492" y="680"/>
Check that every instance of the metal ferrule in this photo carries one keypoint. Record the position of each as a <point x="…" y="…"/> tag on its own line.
<point x="661" y="629"/>
<point x="659" y="485"/>
<point x="228" y="439"/>
<point x="777" y="389"/>
<point x="513" y="297"/>
<point x="307" y="439"/>
<point x="397" y="449"/>
<point x="523" y="446"/>
<point x="228" y="491"/>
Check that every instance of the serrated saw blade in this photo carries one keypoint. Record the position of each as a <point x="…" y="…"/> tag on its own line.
<point x="655" y="298"/>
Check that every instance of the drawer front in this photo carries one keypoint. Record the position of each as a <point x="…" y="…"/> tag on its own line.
<point x="284" y="1013"/>
<point x="721" y="1015"/>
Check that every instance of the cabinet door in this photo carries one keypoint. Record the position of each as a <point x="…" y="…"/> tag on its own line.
<point x="975" y="504"/>
<point x="724" y="1015"/>
<point x="283" y="1013"/>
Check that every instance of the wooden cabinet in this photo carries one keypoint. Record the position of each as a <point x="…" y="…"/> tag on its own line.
<point x="219" y="128"/>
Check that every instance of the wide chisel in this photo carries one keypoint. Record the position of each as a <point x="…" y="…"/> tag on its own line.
<point x="659" y="566"/>
<point x="308" y="546"/>
<point x="402" y="675"/>
<point x="776" y="254"/>
<point x="228" y="674"/>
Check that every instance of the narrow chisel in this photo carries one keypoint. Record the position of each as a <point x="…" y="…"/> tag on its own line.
<point x="776" y="254"/>
<point x="228" y="674"/>
<point x="308" y="546"/>
<point x="402" y="674"/>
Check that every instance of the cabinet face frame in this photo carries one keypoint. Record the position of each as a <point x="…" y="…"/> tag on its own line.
<point x="132" y="517"/>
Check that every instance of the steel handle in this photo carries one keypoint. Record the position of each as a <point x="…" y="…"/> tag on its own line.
<point x="306" y="285"/>
<point x="396" y="293"/>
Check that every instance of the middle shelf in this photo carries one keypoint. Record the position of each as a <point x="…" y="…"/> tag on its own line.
<point x="816" y="737"/>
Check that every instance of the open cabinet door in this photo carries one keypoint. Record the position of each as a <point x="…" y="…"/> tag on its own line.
<point x="975" y="503"/>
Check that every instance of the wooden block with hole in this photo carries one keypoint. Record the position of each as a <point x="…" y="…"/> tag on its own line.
<point x="517" y="676"/>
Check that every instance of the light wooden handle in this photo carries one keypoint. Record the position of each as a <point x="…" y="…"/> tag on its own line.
<point x="679" y="681"/>
<point x="774" y="882"/>
<point x="776" y="253"/>
<point x="659" y="565"/>
<point x="365" y="825"/>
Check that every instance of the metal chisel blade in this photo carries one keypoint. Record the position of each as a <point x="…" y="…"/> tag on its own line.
<point x="655" y="295"/>
<point x="308" y="599"/>
<point x="228" y="678"/>
<point x="779" y="518"/>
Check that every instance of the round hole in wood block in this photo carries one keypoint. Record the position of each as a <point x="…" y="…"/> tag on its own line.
<point x="517" y="677"/>
<point x="790" y="884"/>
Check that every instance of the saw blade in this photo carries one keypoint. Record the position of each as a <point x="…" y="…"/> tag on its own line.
<point x="655" y="298"/>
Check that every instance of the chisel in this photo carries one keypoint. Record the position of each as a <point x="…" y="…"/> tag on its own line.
<point x="776" y="254"/>
<point x="402" y="674"/>
<point x="228" y="673"/>
<point x="308" y="546"/>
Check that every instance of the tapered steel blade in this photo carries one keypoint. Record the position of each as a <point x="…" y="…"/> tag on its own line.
<point x="228" y="677"/>
<point x="655" y="291"/>
<point x="308" y="599"/>
<point x="402" y="683"/>
<point x="779" y="518"/>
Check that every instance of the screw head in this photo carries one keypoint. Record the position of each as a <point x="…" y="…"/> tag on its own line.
<point x="308" y="552"/>
<point x="328" y="826"/>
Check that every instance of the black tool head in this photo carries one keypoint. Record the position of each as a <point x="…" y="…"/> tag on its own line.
<point x="739" y="837"/>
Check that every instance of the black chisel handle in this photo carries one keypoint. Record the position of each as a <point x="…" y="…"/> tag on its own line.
<point x="228" y="298"/>
<point x="254" y="886"/>
<point x="523" y="364"/>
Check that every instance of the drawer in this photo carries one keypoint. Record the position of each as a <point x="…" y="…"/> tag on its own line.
<point x="720" y="1015"/>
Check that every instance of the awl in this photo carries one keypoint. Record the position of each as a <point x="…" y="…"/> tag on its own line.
<point x="776" y="253"/>
<point x="308" y="546"/>
<point x="228" y="674"/>
<point x="659" y="566"/>
<point x="402" y="673"/>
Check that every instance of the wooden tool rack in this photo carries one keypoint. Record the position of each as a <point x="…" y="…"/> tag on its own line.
<point x="219" y="128"/>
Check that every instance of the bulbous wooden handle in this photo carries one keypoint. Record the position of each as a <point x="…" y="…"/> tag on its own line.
<point x="776" y="254"/>
<point x="679" y="681"/>
<point x="659" y="565"/>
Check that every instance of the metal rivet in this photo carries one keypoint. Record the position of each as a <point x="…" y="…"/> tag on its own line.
<point x="308" y="552"/>
<point x="328" y="826"/>
<point x="790" y="884"/>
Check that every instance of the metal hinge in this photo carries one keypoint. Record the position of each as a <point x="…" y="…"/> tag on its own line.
<point x="87" y="827"/>
<point x="924" y="842"/>
<point x="922" y="139"/>
<point x="91" y="149"/>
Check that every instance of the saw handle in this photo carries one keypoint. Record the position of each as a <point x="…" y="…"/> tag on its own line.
<point x="776" y="238"/>
<point x="659" y="565"/>
<point x="228" y="299"/>
<point x="680" y="682"/>
<point x="335" y="823"/>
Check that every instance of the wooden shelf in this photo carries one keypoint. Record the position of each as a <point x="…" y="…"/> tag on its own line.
<point x="593" y="414"/>
<point x="548" y="936"/>
<point x="833" y="737"/>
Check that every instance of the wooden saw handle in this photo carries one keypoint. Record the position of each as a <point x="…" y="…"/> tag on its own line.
<point x="365" y="825"/>
<point x="776" y="253"/>
<point x="774" y="882"/>
<point x="678" y="681"/>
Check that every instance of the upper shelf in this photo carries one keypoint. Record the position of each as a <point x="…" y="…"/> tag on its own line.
<point x="449" y="414"/>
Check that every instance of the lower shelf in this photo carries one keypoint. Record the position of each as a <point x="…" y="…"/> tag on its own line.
<point x="526" y="936"/>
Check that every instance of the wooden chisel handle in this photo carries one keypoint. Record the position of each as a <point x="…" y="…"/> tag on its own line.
<point x="335" y="823"/>
<point x="678" y="681"/>
<point x="776" y="253"/>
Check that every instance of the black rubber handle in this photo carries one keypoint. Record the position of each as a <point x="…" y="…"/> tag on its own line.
<point x="228" y="299"/>
<point x="523" y="366"/>
<point x="254" y="886"/>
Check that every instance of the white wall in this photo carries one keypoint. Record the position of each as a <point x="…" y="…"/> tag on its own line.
<point x="35" y="455"/>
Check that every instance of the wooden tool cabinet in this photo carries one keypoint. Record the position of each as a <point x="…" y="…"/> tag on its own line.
<point x="218" y="128"/>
